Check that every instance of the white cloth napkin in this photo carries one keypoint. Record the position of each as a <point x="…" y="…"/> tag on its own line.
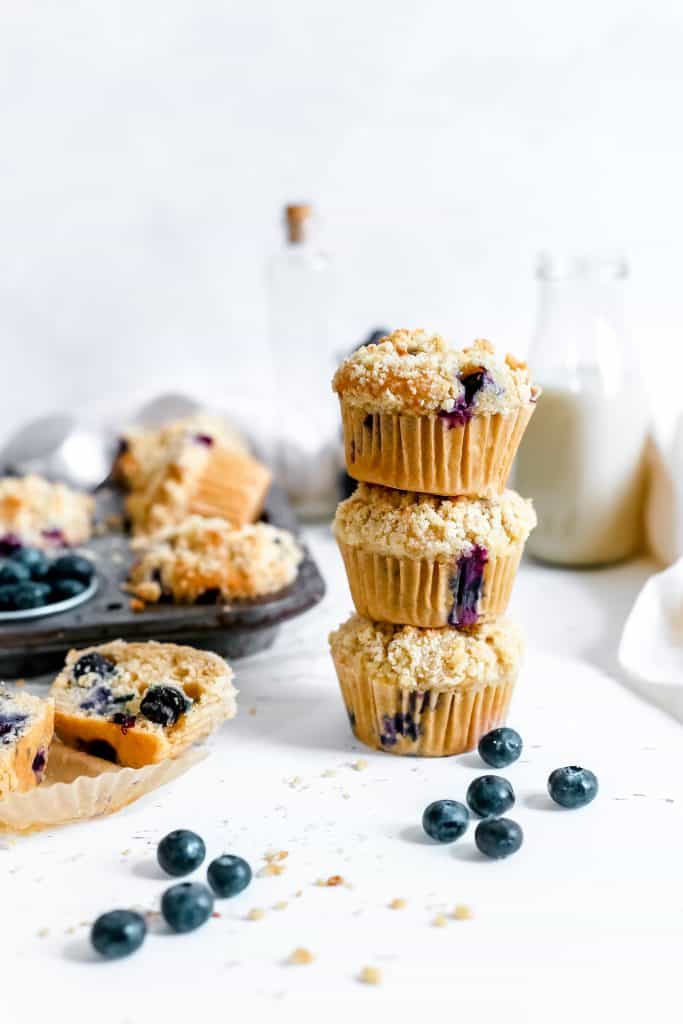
<point x="651" y="647"/>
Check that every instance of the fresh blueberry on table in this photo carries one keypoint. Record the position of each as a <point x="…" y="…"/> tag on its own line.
<point x="94" y="663"/>
<point x="35" y="560"/>
<point x="63" y="590"/>
<point x="186" y="906"/>
<point x="180" y="852"/>
<point x="490" y="796"/>
<point x="228" y="875"/>
<point x="15" y="597"/>
<point x="72" y="567"/>
<point x="572" y="786"/>
<point x="164" y="705"/>
<point x="118" y="933"/>
<point x="445" y="820"/>
<point x="12" y="571"/>
<point x="500" y="747"/>
<point x="498" y="837"/>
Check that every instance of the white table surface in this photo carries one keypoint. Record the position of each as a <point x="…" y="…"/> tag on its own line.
<point x="586" y="918"/>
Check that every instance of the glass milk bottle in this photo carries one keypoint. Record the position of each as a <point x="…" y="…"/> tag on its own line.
<point x="304" y="449"/>
<point x="582" y="459"/>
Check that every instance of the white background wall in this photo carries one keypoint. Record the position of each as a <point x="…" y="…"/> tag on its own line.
<point x="146" y="148"/>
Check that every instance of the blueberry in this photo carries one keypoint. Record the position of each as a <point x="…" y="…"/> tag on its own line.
<point x="10" y="544"/>
<point x="93" y="663"/>
<point x="63" y="590"/>
<point x="445" y="820"/>
<point x="180" y="852"/>
<point x="118" y="933"/>
<point x="16" y="597"/>
<point x="72" y="567"/>
<point x="466" y="585"/>
<point x="164" y="704"/>
<point x="490" y="796"/>
<point x="498" y="837"/>
<point x="35" y="560"/>
<point x="228" y="875"/>
<point x="13" y="571"/>
<point x="572" y="786"/>
<point x="186" y="906"/>
<point x="39" y="763"/>
<point x="500" y="747"/>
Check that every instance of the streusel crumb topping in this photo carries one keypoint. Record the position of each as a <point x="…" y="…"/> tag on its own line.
<point x="46" y="515"/>
<point x="419" y="373"/>
<point x="408" y="525"/>
<point x="427" y="659"/>
<point x="208" y="554"/>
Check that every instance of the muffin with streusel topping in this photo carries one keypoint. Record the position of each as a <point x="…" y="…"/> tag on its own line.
<point x="206" y="558"/>
<point x="427" y="692"/>
<point x="38" y="513"/>
<point x="419" y="415"/>
<point x="432" y="562"/>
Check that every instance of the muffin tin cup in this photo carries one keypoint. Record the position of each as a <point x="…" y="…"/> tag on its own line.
<point x="419" y="592"/>
<point x="424" y="454"/>
<point x="423" y="723"/>
<point x="78" y="786"/>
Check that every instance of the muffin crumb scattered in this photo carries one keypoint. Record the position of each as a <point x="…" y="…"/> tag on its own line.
<point x="256" y="914"/>
<point x="280" y="905"/>
<point x="301" y="955"/>
<point x="462" y="912"/>
<point x="360" y="765"/>
<point x="440" y="921"/>
<point x="398" y="903"/>
<point x="370" y="976"/>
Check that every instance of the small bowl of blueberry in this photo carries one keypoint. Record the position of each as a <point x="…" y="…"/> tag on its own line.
<point x="32" y="584"/>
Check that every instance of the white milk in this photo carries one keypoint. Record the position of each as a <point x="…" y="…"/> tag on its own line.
<point x="582" y="460"/>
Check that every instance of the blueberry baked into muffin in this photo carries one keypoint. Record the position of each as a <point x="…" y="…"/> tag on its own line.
<point x="143" y="449"/>
<point x="425" y="561"/>
<point x="138" y="703"/>
<point x="198" y="474"/>
<point x="208" y="559"/>
<point x="26" y="729"/>
<point x="422" y="416"/>
<point x="429" y="692"/>
<point x="37" y="513"/>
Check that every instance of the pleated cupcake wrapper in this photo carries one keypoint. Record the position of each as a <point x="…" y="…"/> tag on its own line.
<point x="418" y="592"/>
<point x="422" y="453"/>
<point x="429" y="723"/>
<point x="233" y="486"/>
<point x="78" y="786"/>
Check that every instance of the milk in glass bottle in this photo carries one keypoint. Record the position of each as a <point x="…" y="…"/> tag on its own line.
<point x="582" y="459"/>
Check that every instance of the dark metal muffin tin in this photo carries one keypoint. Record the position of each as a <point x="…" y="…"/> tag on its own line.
<point x="235" y="630"/>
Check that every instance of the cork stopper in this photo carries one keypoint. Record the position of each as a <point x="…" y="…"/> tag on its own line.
<point x="297" y="215"/>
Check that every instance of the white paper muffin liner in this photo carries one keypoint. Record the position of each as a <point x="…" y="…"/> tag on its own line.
<point x="78" y="786"/>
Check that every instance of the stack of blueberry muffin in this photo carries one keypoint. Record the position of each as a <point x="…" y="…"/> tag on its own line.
<point x="431" y="540"/>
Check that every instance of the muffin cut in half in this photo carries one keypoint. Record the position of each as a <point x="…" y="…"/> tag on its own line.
<point x="138" y="703"/>
<point x="419" y="560"/>
<point x="199" y="476"/>
<point x="37" y="513"/>
<point x="26" y="729"/>
<point x="421" y="416"/>
<point x="143" y="449"/>
<point x="427" y="692"/>
<point x="207" y="557"/>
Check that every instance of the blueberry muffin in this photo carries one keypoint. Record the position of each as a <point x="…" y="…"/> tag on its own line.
<point x="207" y="558"/>
<point x="138" y="703"/>
<point x="419" y="415"/>
<point x="143" y="449"/>
<point x="430" y="692"/>
<point x="26" y="728"/>
<point x="419" y="560"/>
<point x="199" y="475"/>
<point x="37" y="513"/>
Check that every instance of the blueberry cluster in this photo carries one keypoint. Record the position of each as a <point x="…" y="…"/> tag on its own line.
<point x="185" y="906"/>
<point x="491" y="796"/>
<point x="29" y="579"/>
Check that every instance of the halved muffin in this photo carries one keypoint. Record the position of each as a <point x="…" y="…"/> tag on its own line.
<point x="138" y="703"/>
<point x="26" y="729"/>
